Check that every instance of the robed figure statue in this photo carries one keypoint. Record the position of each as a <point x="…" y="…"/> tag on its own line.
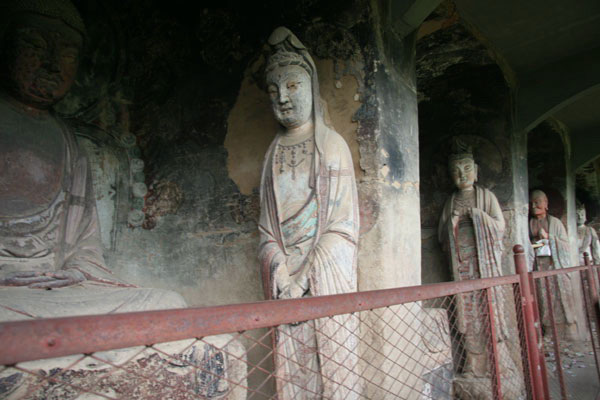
<point x="471" y="230"/>
<point x="587" y="238"/>
<point x="552" y="251"/>
<point x="308" y="229"/>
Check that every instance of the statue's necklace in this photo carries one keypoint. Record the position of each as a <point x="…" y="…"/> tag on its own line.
<point x="289" y="155"/>
<point x="464" y="200"/>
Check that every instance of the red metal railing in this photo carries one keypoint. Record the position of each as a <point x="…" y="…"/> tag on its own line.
<point x="438" y="341"/>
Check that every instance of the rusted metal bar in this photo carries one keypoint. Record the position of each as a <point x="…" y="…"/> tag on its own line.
<point x="557" y="357"/>
<point x="39" y="339"/>
<point x="537" y="320"/>
<point x="597" y="307"/>
<point x="562" y="271"/>
<point x="592" y="285"/>
<point x="591" y="306"/>
<point x="535" y="370"/>
<point x="496" y="378"/>
<point x="598" y="273"/>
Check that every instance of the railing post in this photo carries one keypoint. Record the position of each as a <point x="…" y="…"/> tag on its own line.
<point x="592" y="286"/>
<point x="537" y="322"/>
<point x="535" y="368"/>
<point x="592" y="308"/>
<point x="555" y="338"/>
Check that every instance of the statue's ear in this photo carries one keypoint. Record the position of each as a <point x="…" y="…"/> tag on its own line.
<point x="476" y="171"/>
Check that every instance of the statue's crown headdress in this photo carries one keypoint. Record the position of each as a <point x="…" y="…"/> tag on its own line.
<point x="460" y="150"/>
<point x="287" y="49"/>
<point x="59" y="9"/>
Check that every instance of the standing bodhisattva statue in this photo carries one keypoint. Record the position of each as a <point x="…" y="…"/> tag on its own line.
<point x="550" y="235"/>
<point x="587" y="238"/>
<point x="471" y="230"/>
<point x="308" y="229"/>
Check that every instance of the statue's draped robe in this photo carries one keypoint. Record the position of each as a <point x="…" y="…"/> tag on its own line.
<point x="563" y="303"/>
<point x="483" y="249"/>
<point x="48" y="222"/>
<point x="588" y="243"/>
<point x="315" y="359"/>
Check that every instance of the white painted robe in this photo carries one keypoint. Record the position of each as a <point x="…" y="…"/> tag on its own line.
<point x="588" y="243"/>
<point x="323" y="233"/>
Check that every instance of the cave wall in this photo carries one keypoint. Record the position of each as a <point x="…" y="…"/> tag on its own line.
<point x="547" y="165"/>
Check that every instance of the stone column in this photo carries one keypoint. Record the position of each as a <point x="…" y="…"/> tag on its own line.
<point x="519" y="218"/>
<point x="390" y="245"/>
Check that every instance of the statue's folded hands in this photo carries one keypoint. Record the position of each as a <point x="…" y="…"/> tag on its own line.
<point x="43" y="280"/>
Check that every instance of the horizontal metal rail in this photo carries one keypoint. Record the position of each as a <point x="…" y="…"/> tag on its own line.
<point x="47" y="338"/>
<point x="543" y="274"/>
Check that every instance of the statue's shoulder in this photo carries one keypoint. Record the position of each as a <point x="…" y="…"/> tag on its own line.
<point x="483" y="189"/>
<point x="555" y="223"/>
<point x="334" y="143"/>
<point x="553" y="219"/>
<point x="486" y="192"/>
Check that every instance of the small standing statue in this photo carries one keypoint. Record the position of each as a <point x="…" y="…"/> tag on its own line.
<point x="587" y="238"/>
<point x="552" y="251"/>
<point x="308" y="229"/>
<point x="471" y="230"/>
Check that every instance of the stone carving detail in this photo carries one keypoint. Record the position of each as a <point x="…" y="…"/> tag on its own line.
<point x="118" y="178"/>
<point x="138" y="188"/>
<point x="309" y="227"/>
<point x="587" y="238"/>
<point x="435" y="331"/>
<point x="49" y="233"/>
<point x="552" y="251"/>
<point x="220" y="361"/>
<point x="164" y="198"/>
<point x="470" y="231"/>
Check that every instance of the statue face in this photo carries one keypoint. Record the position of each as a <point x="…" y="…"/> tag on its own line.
<point x="42" y="56"/>
<point x="581" y="217"/>
<point x="539" y="204"/>
<point x="290" y="90"/>
<point x="463" y="173"/>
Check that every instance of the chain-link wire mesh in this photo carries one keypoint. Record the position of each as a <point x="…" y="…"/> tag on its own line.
<point x="520" y="324"/>
<point x="187" y="369"/>
<point x="438" y="349"/>
<point x="566" y="315"/>
<point x="467" y="345"/>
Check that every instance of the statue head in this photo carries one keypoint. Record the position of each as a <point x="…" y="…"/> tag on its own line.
<point x="539" y="203"/>
<point x="40" y="42"/>
<point x="462" y="167"/>
<point x="581" y="217"/>
<point x="291" y="80"/>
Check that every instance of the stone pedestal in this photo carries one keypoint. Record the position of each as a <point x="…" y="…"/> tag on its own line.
<point x="137" y="373"/>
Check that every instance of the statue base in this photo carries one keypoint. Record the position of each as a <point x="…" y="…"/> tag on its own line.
<point x="214" y="368"/>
